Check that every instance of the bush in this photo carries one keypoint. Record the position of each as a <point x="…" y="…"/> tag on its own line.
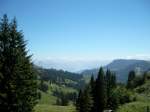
<point x="123" y="95"/>
<point x="43" y="86"/>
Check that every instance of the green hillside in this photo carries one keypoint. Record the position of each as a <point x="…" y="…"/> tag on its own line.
<point x="142" y="103"/>
<point x="47" y="103"/>
<point x="52" y="84"/>
<point x="54" y="108"/>
<point x="60" y="82"/>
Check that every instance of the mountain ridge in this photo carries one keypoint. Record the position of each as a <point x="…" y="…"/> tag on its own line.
<point x="122" y="67"/>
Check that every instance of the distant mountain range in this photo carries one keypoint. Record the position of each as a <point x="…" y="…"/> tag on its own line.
<point x="122" y="67"/>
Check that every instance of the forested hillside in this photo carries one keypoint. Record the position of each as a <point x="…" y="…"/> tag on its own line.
<point x="60" y="77"/>
<point x="57" y="89"/>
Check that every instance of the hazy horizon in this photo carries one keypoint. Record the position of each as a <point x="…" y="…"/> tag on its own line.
<point x="78" y="65"/>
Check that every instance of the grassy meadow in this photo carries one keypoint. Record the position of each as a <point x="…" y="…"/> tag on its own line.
<point x="48" y="100"/>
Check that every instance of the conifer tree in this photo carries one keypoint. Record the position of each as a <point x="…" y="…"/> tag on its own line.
<point x="87" y="99"/>
<point x="113" y="80"/>
<point x="79" y="102"/>
<point x="110" y="85"/>
<point x="18" y="87"/>
<point x="131" y="77"/>
<point x="93" y="95"/>
<point x="84" y="101"/>
<point x="100" y="91"/>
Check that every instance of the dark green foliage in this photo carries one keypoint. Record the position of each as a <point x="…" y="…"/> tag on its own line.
<point x="123" y="95"/>
<point x="71" y="96"/>
<point x="136" y="80"/>
<point x="113" y="100"/>
<point x="106" y="94"/>
<point x="62" y="99"/>
<point x="43" y="86"/>
<point x="100" y="92"/>
<point x="59" y="77"/>
<point x="110" y="85"/>
<point x="84" y="102"/>
<point x="93" y="95"/>
<point x="130" y="82"/>
<point x="18" y="87"/>
<point x="79" y="102"/>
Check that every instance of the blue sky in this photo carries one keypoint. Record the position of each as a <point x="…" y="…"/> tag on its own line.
<point x="83" y="29"/>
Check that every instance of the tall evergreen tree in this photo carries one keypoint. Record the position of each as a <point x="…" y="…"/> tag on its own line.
<point x="18" y="87"/>
<point x="87" y="99"/>
<point x="93" y="95"/>
<point x="100" y="92"/>
<point x="84" y="102"/>
<point x="131" y="78"/>
<point x="78" y="102"/>
<point x="110" y="85"/>
<point x="113" y="80"/>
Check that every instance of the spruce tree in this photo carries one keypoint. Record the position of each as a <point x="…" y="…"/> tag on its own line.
<point x="79" y="102"/>
<point x="100" y="91"/>
<point x="84" y="101"/>
<point x="110" y="85"/>
<point x="87" y="100"/>
<point x="18" y="87"/>
<point x="92" y="85"/>
<point x="131" y="77"/>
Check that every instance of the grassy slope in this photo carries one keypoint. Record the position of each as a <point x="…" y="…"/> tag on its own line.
<point x="134" y="107"/>
<point x="47" y="101"/>
<point x="143" y="100"/>
<point x="54" y="108"/>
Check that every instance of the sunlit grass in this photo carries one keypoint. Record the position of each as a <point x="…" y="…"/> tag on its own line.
<point x="53" y="108"/>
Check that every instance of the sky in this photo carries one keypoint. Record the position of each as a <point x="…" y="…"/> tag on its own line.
<point x="78" y="34"/>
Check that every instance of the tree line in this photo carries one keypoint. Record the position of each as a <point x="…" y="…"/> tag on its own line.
<point x="59" y="77"/>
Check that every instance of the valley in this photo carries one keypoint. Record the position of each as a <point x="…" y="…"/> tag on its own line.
<point x="67" y="82"/>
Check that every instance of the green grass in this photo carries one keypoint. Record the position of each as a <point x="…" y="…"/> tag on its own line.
<point x="54" y="108"/>
<point x="48" y="101"/>
<point x="134" y="107"/>
<point x="47" y="98"/>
